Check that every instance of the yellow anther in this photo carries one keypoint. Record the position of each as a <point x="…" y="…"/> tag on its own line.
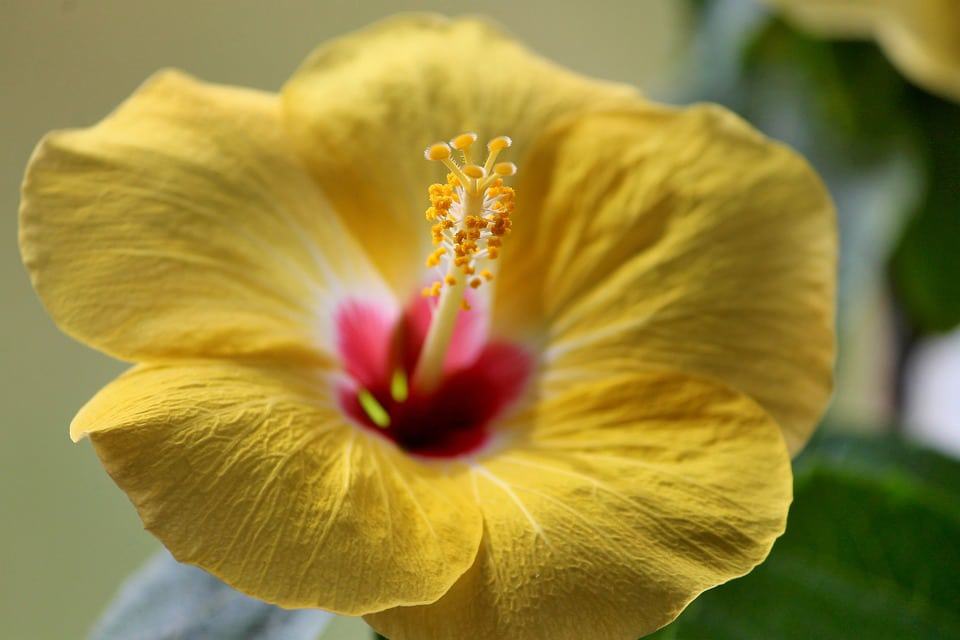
<point x="437" y="151"/>
<point x="433" y="290"/>
<point x="450" y="280"/>
<point x="499" y="144"/>
<point x="433" y="259"/>
<point x="463" y="141"/>
<point x="476" y="282"/>
<point x="486" y="275"/>
<point x="464" y="305"/>
<point x="495" y="188"/>
<point x="474" y="171"/>
<point x="505" y="169"/>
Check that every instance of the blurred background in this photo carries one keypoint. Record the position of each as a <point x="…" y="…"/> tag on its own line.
<point x="889" y="150"/>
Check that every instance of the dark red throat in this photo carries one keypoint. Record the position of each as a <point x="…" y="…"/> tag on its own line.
<point x="480" y="378"/>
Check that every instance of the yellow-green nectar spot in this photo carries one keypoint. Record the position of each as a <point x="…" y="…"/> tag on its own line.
<point x="373" y="409"/>
<point x="399" y="389"/>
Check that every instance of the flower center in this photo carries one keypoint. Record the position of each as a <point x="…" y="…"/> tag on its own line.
<point x="479" y="378"/>
<point x="429" y="380"/>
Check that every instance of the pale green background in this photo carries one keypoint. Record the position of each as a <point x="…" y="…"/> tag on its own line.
<point x="67" y="535"/>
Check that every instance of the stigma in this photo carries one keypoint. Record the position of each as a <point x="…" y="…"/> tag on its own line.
<point x="470" y="213"/>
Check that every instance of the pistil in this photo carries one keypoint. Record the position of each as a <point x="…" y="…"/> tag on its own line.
<point x="471" y="213"/>
<point x="430" y="365"/>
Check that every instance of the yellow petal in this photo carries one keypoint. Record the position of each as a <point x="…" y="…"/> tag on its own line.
<point x="631" y="496"/>
<point x="254" y="475"/>
<point x="184" y="224"/>
<point x="677" y="239"/>
<point x="922" y="37"/>
<point x="364" y="107"/>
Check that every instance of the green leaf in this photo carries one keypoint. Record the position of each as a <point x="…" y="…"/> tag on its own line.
<point x="856" y="94"/>
<point x="926" y="261"/>
<point x="882" y="457"/>
<point x="926" y="269"/>
<point x="871" y="551"/>
<point x="166" y="600"/>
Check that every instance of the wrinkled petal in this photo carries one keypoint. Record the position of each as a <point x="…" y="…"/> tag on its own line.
<point x="254" y="475"/>
<point x="682" y="240"/>
<point x="628" y="497"/>
<point x="922" y="37"/>
<point x="364" y="107"/>
<point x="183" y="224"/>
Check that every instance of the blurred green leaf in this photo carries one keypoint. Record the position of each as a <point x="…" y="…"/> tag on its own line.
<point x="881" y="457"/>
<point x="166" y="600"/>
<point x="926" y="261"/>
<point x="871" y="551"/>
<point x="857" y="94"/>
<point x="926" y="270"/>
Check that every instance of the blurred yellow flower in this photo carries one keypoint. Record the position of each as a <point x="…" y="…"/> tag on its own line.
<point x="604" y="434"/>
<point x="922" y="37"/>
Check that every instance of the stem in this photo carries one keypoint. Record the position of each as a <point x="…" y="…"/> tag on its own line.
<point x="429" y="368"/>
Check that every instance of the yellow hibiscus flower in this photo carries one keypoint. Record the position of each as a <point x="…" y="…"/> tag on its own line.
<point x="575" y="448"/>
<point x="922" y="37"/>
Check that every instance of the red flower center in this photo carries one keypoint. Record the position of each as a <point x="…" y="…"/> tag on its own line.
<point x="379" y="351"/>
